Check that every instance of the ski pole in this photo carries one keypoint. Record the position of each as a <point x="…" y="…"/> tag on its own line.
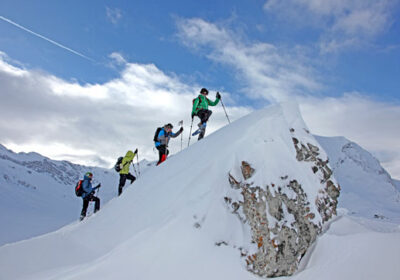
<point x="138" y="166"/>
<point x="225" y="110"/>
<point x="190" y="132"/>
<point x="181" y="124"/>
<point x="134" y="169"/>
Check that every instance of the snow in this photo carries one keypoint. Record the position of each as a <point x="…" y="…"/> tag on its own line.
<point x="37" y="194"/>
<point x="367" y="189"/>
<point x="166" y="225"/>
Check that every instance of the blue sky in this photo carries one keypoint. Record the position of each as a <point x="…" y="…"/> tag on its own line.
<point x="338" y="54"/>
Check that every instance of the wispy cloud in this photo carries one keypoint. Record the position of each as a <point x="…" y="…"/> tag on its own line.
<point x="268" y="71"/>
<point x="114" y="15"/>
<point x="344" y="24"/>
<point x="45" y="38"/>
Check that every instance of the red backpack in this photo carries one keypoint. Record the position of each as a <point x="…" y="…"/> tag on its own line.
<point x="78" y="188"/>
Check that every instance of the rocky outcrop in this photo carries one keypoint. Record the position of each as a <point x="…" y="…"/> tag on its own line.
<point x="282" y="224"/>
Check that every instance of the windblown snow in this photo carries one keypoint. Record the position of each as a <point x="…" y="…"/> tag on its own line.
<point x="173" y="222"/>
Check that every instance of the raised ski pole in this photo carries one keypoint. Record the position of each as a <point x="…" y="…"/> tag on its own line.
<point x="181" y="124"/>
<point x="190" y="133"/>
<point x="222" y="103"/>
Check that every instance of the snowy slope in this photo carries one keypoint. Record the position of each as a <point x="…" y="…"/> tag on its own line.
<point x="397" y="184"/>
<point x="37" y="194"/>
<point x="367" y="189"/>
<point x="174" y="224"/>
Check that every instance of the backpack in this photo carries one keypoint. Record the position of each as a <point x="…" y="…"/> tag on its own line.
<point x="117" y="165"/>
<point x="156" y="134"/>
<point x="78" y="188"/>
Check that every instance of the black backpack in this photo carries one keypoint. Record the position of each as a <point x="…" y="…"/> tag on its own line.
<point x="156" y="134"/>
<point x="78" y="188"/>
<point x="117" y="166"/>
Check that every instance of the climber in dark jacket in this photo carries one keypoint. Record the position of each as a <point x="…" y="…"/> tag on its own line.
<point x="88" y="194"/>
<point x="162" y="141"/>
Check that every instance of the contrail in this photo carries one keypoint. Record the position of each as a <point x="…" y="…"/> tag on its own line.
<point x="47" y="39"/>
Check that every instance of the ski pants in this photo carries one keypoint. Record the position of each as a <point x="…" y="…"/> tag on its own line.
<point x="204" y="115"/>
<point x="162" y="153"/>
<point x="122" y="181"/>
<point x="86" y="201"/>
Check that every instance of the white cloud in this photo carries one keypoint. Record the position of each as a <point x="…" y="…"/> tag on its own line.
<point x="100" y="122"/>
<point x="269" y="72"/>
<point x="373" y="125"/>
<point x="114" y="15"/>
<point x="345" y="23"/>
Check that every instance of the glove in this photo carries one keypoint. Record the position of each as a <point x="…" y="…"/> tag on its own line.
<point x="218" y="95"/>
<point x="192" y="115"/>
<point x="136" y="151"/>
<point x="181" y="129"/>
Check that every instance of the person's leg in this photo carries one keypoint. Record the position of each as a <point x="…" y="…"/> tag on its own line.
<point x="162" y="153"/>
<point x="202" y="133"/>
<point x="122" y="180"/>
<point x="129" y="176"/>
<point x="204" y="115"/>
<point x="84" y="208"/>
<point x="96" y="203"/>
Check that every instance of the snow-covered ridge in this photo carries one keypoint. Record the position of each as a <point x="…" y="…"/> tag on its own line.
<point x="368" y="190"/>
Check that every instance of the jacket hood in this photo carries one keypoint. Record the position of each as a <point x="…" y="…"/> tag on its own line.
<point x="129" y="155"/>
<point x="86" y="177"/>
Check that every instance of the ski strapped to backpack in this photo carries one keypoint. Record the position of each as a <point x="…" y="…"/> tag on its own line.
<point x="78" y="188"/>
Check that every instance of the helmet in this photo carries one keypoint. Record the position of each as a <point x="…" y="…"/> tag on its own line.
<point x="89" y="174"/>
<point x="204" y="90"/>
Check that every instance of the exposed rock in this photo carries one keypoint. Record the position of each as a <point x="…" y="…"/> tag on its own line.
<point x="283" y="227"/>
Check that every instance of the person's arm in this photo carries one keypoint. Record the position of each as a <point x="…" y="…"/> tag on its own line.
<point x="213" y="103"/>
<point x="173" y="135"/>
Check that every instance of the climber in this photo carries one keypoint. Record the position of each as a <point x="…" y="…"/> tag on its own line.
<point x="88" y="194"/>
<point x="161" y="139"/>
<point x="200" y="109"/>
<point x="124" y="173"/>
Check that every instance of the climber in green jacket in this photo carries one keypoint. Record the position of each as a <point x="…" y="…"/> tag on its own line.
<point x="124" y="173"/>
<point x="200" y="109"/>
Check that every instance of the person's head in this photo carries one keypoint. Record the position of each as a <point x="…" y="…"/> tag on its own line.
<point x="129" y="154"/>
<point x="89" y="175"/>
<point x="168" y="127"/>
<point x="204" y="91"/>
